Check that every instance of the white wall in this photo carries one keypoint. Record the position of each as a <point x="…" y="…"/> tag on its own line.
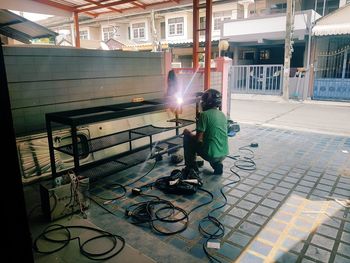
<point x="95" y="33"/>
<point x="342" y="3"/>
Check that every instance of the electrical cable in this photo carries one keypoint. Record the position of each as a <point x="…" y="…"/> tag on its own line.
<point x="151" y="212"/>
<point x="76" y="188"/>
<point x="157" y="210"/>
<point x="219" y="228"/>
<point x="116" y="186"/>
<point x="57" y="228"/>
<point x="112" y="187"/>
<point x="243" y="163"/>
<point x="138" y="179"/>
<point x="205" y="203"/>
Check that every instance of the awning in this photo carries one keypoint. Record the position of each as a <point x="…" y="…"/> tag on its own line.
<point x="335" y="23"/>
<point x="331" y="30"/>
<point x="267" y="29"/>
<point x="20" y="28"/>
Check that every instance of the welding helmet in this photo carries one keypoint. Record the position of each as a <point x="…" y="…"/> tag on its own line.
<point x="211" y="98"/>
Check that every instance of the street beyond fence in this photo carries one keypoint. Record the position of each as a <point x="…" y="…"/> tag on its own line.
<point x="272" y="111"/>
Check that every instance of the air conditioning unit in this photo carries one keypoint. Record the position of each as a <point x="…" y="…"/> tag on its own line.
<point x="176" y="65"/>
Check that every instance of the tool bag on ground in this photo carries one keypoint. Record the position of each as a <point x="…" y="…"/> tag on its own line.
<point x="182" y="182"/>
<point x="232" y="128"/>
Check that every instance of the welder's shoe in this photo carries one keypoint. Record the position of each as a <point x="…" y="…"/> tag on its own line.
<point x="200" y="163"/>
<point x="189" y="169"/>
<point x="195" y="168"/>
<point x="176" y="158"/>
<point x="218" y="168"/>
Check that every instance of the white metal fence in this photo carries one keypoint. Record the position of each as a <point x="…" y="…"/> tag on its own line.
<point x="257" y="79"/>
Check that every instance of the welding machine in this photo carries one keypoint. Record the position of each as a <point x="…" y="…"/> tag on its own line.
<point x="60" y="200"/>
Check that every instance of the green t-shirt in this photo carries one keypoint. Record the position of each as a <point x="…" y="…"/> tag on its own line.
<point x="213" y="124"/>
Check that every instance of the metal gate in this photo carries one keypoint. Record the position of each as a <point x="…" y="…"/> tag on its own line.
<point x="332" y="75"/>
<point x="257" y="79"/>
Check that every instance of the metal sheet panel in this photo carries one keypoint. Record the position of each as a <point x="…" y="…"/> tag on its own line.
<point x="21" y="29"/>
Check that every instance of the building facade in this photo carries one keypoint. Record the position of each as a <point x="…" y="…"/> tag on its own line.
<point x="173" y="29"/>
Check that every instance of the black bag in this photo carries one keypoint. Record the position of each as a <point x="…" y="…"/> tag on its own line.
<point x="183" y="182"/>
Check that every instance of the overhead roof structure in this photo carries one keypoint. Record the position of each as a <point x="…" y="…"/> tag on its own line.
<point x="20" y="28"/>
<point x="335" y="23"/>
<point x="100" y="7"/>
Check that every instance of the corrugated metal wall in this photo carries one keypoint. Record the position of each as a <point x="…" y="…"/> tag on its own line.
<point x="48" y="79"/>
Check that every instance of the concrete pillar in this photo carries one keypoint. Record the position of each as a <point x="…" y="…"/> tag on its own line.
<point x="246" y="6"/>
<point x="223" y="64"/>
<point x="72" y="33"/>
<point x="235" y="55"/>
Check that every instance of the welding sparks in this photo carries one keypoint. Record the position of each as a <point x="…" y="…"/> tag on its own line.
<point x="179" y="100"/>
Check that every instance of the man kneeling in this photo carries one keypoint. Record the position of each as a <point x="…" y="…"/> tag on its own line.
<point x="210" y="141"/>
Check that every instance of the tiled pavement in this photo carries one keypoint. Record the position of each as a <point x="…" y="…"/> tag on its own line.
<point x="278" y="213"/>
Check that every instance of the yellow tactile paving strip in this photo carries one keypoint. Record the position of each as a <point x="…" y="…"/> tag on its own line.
<point x="303" y="220"/>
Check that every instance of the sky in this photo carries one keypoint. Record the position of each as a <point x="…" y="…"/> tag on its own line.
<point x="32" y="16"/>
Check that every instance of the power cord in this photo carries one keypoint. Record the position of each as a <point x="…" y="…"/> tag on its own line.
<point x="218" y="228"/>
<point x="77" y="188"/>
<point x="141" y="177"/>
<point x="60" y="230"/>
<point x="113" y="187"/>
<point x="210" y="221"/>
<point x="158" y="210"/>
<point x="246" y="162"/>
<point x="118" y="187"/>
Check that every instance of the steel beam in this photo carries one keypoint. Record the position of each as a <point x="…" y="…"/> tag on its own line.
<point x="208" y="14"/>
<point x="76" y="29"/>
<point x="195" y="34"/>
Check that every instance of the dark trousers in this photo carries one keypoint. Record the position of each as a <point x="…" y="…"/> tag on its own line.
<point x="192" y="148"/>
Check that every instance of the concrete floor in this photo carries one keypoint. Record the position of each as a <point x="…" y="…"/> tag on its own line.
<point x="272" y="111"/>
<point x="280" y="212"/>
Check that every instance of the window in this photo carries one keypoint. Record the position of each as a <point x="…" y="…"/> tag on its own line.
<point x="248" y="55"/>
<point x="138" y="30"/>
<point x="109" y="32"/>
<point x="162" y="30"/>
<point x="219" y="17"/>
<point x="279" y="8"/>
<point x="202" y="25"/>
<point x="84" y="34"/>
<point x="264" y="54"/>
<point x="176" y="26"/>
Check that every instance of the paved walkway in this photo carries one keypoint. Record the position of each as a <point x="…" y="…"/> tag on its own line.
<point x="290" y="209"/>
<point x="280" y="212"/>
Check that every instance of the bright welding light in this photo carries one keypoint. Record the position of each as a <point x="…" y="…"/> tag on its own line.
<point x="179" y="100"/>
